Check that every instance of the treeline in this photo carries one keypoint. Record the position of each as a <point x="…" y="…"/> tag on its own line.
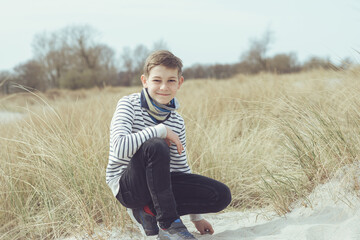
<point x="72" y="58"/>
<point x="255" y="60"/>
<point x="280" y="64"/>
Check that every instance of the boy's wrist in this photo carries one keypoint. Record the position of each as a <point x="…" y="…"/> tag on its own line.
<point x="161" y="130"/>
<point x="196" y="217"/>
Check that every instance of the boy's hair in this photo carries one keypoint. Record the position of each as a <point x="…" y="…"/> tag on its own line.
<point x="165" y="58"/>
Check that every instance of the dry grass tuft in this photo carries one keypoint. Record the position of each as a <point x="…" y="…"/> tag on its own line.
<point x="270" y="138"/>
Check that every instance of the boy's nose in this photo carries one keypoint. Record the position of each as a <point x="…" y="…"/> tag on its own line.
<point x="163" y="86"/>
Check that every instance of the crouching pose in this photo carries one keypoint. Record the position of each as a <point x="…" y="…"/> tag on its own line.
<point x="148" y="171"/>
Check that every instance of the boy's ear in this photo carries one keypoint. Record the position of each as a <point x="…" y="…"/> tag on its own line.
<point x="144" y="81"/>
<point x="181" y="80"/>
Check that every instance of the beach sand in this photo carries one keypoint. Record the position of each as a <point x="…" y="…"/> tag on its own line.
<point x="6" y="116"/>
<point x="331" y="213"/>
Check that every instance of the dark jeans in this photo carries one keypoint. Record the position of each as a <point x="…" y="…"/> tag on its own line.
<point x="148" y="181"/>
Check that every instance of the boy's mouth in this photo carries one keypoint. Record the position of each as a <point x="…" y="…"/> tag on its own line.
<point x="163" y="94"/>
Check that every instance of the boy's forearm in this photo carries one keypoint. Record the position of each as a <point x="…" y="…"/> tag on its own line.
<point x="196" y="217"/>
<point x="126" y="144"/>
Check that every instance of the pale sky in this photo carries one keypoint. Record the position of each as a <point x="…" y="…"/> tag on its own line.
<point x="197" y="31"/>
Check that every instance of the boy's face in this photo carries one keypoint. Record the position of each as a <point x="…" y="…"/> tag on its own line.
<point x="162" y="83"/>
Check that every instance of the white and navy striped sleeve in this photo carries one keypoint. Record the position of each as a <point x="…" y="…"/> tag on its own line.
<point x="183" y="159"/>
<point x="178" y="161"/>
<point x="125" y="143"/>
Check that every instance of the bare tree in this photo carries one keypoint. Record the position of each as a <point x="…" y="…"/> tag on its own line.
<point x="255" y="57"/>
<point x="127" y="67"/>
<point x="133" y="60"/>
<point x="140" y="54"/>
<point x="283" y="63"/>
<point x="160" y="45"/>
<point x="31" y="75"/>
<point x="72" y="58"/>
<point x="50" y="52"/>
<point x="5" y="78"/>
<point x="317" y="62"/>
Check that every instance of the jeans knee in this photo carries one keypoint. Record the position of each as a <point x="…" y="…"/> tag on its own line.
<point x="156" y="144"/>
<point x="224" y="198"/>
<point x="157" y="147"/>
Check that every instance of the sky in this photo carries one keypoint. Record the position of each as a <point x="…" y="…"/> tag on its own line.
<point x="201" y="31"/>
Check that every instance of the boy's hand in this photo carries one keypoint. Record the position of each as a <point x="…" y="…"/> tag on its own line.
<point x="171" y="138"/>
<point x="204" y="227"/>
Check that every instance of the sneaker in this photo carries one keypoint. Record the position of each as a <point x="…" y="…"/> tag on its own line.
<point x="176" y="231"/>
<point x="145" y="220"/>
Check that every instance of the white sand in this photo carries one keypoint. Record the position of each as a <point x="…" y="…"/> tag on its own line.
<point x="6" y="116"/>
<point x="333" y="215"/>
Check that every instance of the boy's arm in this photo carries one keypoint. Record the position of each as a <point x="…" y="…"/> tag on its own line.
<point x="196" y="217"/>
<point x="124" y="142"/>
<point x="173" y="138"/>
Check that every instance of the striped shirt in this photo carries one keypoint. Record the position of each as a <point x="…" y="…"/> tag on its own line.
<point x="130" y="127"/>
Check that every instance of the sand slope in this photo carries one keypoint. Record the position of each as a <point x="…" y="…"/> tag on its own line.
<point x="332" y="215"/>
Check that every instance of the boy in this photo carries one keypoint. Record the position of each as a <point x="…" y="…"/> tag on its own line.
<point x="148" y="170"/>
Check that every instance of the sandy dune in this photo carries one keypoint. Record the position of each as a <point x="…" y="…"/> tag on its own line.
<point x="333" y="214"/>
<point x="6" y="116"/>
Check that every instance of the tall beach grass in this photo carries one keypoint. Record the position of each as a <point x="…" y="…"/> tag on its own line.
<point x="270" y="138"/>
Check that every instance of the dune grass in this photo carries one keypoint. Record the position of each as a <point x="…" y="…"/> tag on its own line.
<point x="270" y="138"/>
